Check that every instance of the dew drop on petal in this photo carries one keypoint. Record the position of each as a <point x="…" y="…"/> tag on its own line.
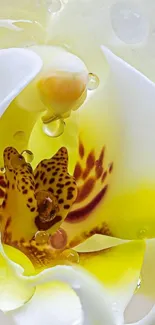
<point x="142" y="233"/>
<point x="138" y="284"/>
<point x="128" y="22"/>
<point x="41" y="237"/>
<point x="53" y="5"/>
<point x="20" y="136"/>
<point x="54" y="128"/>
<point x="59" y="239"/>
<point x="47" y="206"/>
<point x="71" y="256"/>
<point x="93" y="81"/>
<point x="2" y="170"/>
<point x="28" y="155"/>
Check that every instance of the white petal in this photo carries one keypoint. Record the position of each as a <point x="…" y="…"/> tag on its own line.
<point x="141" y="309"/>
<point x="148" y="319"/>
<point x="5" y="319"/>
<point x="135" y="103"/>
<point x="138" y="308"/>
<point x="53" y="304"/>
<point x="95" y="301"/>
<point x="17" y="68"/>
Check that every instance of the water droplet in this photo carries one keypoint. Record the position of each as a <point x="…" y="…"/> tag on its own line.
<point x="47" y="206"/>
<point x="129" y="24"/>
<point x="138" y="284"/>
<point x="28" y="155"/>
<point x="20" y="136"/>
<point x="54" y="128"/>
<point x="59" y="239"/>
<point x="54" y="5"/>
<point x="17" y="160"/>
<point x="93" y="81"/>
<point x="41" y="237"/>
<point x="142" y="233"/>
<point x="71" y="255"/>
<point x="2" y="170"/>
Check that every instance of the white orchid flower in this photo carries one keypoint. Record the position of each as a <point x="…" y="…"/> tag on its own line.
<point x="77" y="165"/>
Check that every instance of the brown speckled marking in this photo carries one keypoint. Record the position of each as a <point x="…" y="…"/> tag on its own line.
<point x="57" y="181"/>
<point x="101" y="230"/>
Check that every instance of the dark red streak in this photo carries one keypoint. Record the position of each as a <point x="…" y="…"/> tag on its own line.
<point x="46" y="225"/>
<point x="81" y="214"/>
<point x="85" y="190"/>
<point x="77" y="171"/>
<point x="81" y="150"/>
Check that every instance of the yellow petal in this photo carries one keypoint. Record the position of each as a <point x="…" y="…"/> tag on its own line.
<point x="97" y="243"/>
<point x="14" y="291"/>
<point x="94" y="170"/>
<point x="118" y="268"/>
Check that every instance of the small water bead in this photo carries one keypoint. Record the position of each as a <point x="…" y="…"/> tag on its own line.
<point x="53" y="5"/>
<point x="47" y="206"/>
<point x="128" y="22"/>
<point x="2" y="170"/>
<point x="41" y="237"/>
<point x="20" y="137"/>
<point x="71" y="256"/>
<point x="142" y="233"/>
<point x="93" y="81"/>
<point x="138" y="284"/>
<point x="59" y="239"/>
<point x="28" y="155"/>
<point x="54" y="129"/>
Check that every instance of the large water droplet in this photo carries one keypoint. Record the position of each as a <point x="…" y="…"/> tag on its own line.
<point x="41" y="237"/>
<point x="47" y="206"/>
<point x="53" y="5"/>
<point x="128" y="22"/>
<point x="59" y="239"/>
<point x="71" y="256"/>
<point x="142" y="233"/>
<point x="28" y="155"/>
<point x="93" y="81"/>
<point x="20" y="136"/>
<point x="54" y="128"/>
